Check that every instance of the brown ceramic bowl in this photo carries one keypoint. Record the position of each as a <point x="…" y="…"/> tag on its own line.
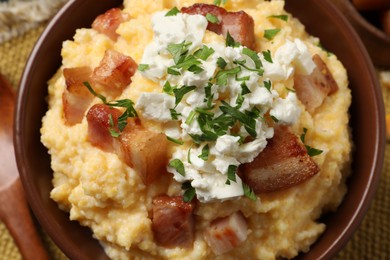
<point x="367" y="123"/>
<point x="376" y="41"/>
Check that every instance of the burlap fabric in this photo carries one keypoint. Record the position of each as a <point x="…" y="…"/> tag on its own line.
<point x="371" y="241"/>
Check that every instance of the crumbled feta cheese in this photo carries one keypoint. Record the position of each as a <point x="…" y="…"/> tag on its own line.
<point x="209" y="176"/>
<point x="286" y="110"/>
<point x="156" y="106"/>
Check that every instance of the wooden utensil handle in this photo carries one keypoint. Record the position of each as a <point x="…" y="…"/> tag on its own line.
<point x="16" y="215"/>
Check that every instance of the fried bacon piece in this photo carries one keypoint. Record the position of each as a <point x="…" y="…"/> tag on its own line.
<point x="282" y="164"/>
<point x="240" y="25"/>
<point x="108" y="22"/>
<point x="76" y="97"/>
<point x="145" y="151"/>
<point x="312" y="89"/>
<point x="99" y="125"/>
<point x="173" y="221"/>
<point x="204" y="9"/>
<point x="224" y="234"/>
<point x="114" y="71"/>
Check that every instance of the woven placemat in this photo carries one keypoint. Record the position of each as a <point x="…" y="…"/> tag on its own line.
<point x="371" y="240"/>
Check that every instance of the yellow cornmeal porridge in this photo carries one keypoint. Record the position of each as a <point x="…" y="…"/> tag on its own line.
<point x="102" y="192"/>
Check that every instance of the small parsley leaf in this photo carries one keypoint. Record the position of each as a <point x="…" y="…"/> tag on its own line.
<point x="143" y="67"/>
<point x="204" y="53"/>
<point x="174" y="11"/>
<point x="230" y="42"/>
<point x="221" y="63"/>
<point x="231" y="173"/>
<point x="178" y="166"/>
<point x="253" y="55"/>
<point x="180" y="92"/>
<point x="212" y="18"/>
<point x="248" y="192"/>
<point x="267" y="56"/>
<point x="223" y="75"/>
<point x="189" y="191"/>
<point x="205" y="153"/>
<point x="283" y="17"/>
<point x="271" y="33"/>
<point x="176" y="141"/>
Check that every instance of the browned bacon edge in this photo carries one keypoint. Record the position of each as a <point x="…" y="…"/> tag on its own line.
<point x="312" y="89"/>
<point x="240" y="25"/>
<point x="109" y="22"/>
<point x="76" y="97"/>
<point x="173" y="221"/>
<point x="227" y="233"/>
<point x="282" y="164"/>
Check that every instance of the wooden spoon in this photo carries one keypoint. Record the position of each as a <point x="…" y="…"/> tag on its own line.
<point x="14" y="210"/>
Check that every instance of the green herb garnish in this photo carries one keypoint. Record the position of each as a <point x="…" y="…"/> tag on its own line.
<point x="178" y="166"/>
<point x="267" y="56"/>
<point x="271" y="33"/>
<point x="248" y="192"/>
<point x="253" y="55"/>
<point x="174" y="11"/>
<point x="205" y="153"/>
<point x="221" y="63"/>
<point x="143" y="67"/>
<point x="283" y="17"/>
<point x="231" y="174"/>
<point x="189" y="191"/>
<point x="310" y="150"/>
<point x="230" y="42"/>
<point x="223" y="75"/>
<point x="219" y="2"/>
<point x="180" y="92"/>
<point x="204" y="53"/>
<point x="212" y="18"/>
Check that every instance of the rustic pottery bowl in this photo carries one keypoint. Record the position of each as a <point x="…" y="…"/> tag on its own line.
<point x="376" y="41"/>
<point x="367" y="123"/>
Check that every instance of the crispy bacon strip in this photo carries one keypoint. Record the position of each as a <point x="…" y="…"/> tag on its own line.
<point x="240" y="25"/>
<point x="225" y="234"/>
<point x="108" y="22"/>
<point x="282" y="164"/>
<point x="312" y="89"/>
<point x="76" y="97"/>
<point x="145" y="151"/>
<point x="173" y="221"/>
<point x="115" y="71"/>
<point x="204" y="9"/>
<point x="99" y="125"/>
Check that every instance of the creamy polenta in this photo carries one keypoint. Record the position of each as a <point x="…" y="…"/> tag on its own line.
<point x="102" y="192"/>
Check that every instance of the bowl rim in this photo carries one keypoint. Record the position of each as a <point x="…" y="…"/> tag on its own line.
<point x="362" y="21"/>
<point x="332" y="250"/>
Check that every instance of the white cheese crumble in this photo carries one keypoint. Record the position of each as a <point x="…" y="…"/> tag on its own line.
<point x="229" y="87"/>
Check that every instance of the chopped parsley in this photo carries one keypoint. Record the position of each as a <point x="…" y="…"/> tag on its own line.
<point x="219" y="2"/>
<point x="271" y="33"/>
<point x="221" y="63"/>
<point x="268" y="85"/>
<point x="230" y="42"/>
<point x="283" y="17"/>
<point x="189" y="191"/>
<point x="212" y="18"/>
<point x="172" y="71"/>
<point x="231" y="174"/>
<point x="204" y="53"/>
<point x="174" y="114"/>
<point x="248" y="192"/>
<point x="248" y="122"/>
<point x="176" y="141"/>
<point x="167" y="88"/>
<point x="143" y="67"/>
<point x="180" y="92"/>
<point x="267" y="56"/>
<point x="178" y="166"/>
<point x="253" y="55"/>
<point x="205" y="153"/>
<point x="245" y="90"/>
<point x="174" y="11"/>
<point x="310" y="150"/>
<point x="223" y="75"/>
<point x="124" y="103"/>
